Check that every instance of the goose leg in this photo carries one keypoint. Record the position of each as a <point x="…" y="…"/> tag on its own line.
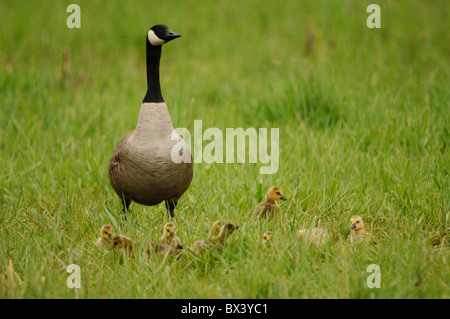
<point x="170" y="205"/>
<point x="126" y="204"/>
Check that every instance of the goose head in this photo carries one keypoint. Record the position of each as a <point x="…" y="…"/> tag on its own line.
<point x="106" y="232"/>
<point x="266" y="237"/>
<point x="161" y="34"/>
<point x="357" y="223"/>
<point x="274" y="193"/>
<point x="168" y="231"/>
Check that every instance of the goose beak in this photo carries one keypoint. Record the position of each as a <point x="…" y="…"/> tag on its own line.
<point x="171" y="35"/>
<point x="282" y="197"/>
<point x="237" y="227"/>
<point x="110" y="236"/>
<point x="353" y="226"/>
<point x="172" y="235"/>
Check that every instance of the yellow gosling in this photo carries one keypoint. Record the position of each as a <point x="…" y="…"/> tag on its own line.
<point x="269" y="207"/>
<point x="316" y="236"/>
<point x="168" y="237"/>
<point x="215" y="229"/>
<point x="105" y="239"/>
<point x="215" y="243"/>
<point x="358" y="234"/>
<point x="266" y="237"/>
<point x="123" y="242"/>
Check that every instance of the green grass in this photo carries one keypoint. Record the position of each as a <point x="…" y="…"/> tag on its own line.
<point x="363" y="118"/>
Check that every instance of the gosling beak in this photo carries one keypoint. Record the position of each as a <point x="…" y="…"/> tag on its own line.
<point x="282" y="197"/>
<point x="172" y="235"/>
<point x="110" y="236"/>
<point x="237" y="227"/>
<point x="353" y="226"/>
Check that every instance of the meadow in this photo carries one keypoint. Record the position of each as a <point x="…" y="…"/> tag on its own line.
<point x="363" y="121"/>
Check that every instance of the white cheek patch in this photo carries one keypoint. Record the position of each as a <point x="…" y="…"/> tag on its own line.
<point x="154" y="40"/>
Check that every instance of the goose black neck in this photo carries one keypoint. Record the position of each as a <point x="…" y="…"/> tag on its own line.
<point x="153" y="87"/>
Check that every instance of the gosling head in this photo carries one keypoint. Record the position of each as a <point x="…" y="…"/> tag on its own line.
<point x="160" y="34"/>
<point x="120" y="241"/>
<point x="274" y="193"/>
<point x="168" y="231"/>
<point x="266" y="237"/>
<point x="357" y="223"/>
<point x="106" y="232"/>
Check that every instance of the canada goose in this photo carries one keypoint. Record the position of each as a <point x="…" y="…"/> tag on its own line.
<point x="269" y="207"/>
<point x="359" y="234"/>
<point x="168" y="237"/>
<point x="317" y="236"/>
<point x="105" y="239"/>
<point x="266" y="237"/>
<point x="142" y="168"/>
<point x="216" y="242"/>
<point x="121" y="241"/>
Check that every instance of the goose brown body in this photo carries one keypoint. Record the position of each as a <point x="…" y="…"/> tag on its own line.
<point x="143" y="171"/>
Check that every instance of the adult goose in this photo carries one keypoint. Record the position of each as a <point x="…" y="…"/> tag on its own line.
<point x="152" y="163"/>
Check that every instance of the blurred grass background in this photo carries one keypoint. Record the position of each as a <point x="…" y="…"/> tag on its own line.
<point x="363" y="117"/>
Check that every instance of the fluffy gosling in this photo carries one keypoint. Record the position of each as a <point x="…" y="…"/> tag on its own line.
<point x="215" y="229"/>
<point x="317" y="236"/>
<point x="123" y="242"/>
<point x="269" y="207"/>
<point x="161" y="249"/>
<point x="266" y="237"/>
<point x="216" y="242"/>
<point x="105" y="239"/>
<point x="359" y="234"/>
<point x="168" y="237"/>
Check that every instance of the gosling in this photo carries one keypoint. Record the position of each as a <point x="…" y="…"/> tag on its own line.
<point x="359" y="234"/>
<point x="215" y="229"/>
<point x="316" y="236"/>
<point x="217" y="242"/>
<point x="105" y="239"/>
<point x="159" y="248"/>
<point x="269" y="207"/>
<point x="266" y="237"/>
<point x="200" y="245"/>
<point x="123" y="242"/>
<point x="168" y="237"/>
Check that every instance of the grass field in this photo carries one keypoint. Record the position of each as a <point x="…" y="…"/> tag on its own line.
<point x="363" y="119"/>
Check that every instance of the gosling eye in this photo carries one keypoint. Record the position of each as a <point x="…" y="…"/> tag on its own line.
<point x="357" y="221"/>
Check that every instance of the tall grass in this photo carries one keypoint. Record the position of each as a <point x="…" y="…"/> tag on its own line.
<point x="363" y="117"/>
